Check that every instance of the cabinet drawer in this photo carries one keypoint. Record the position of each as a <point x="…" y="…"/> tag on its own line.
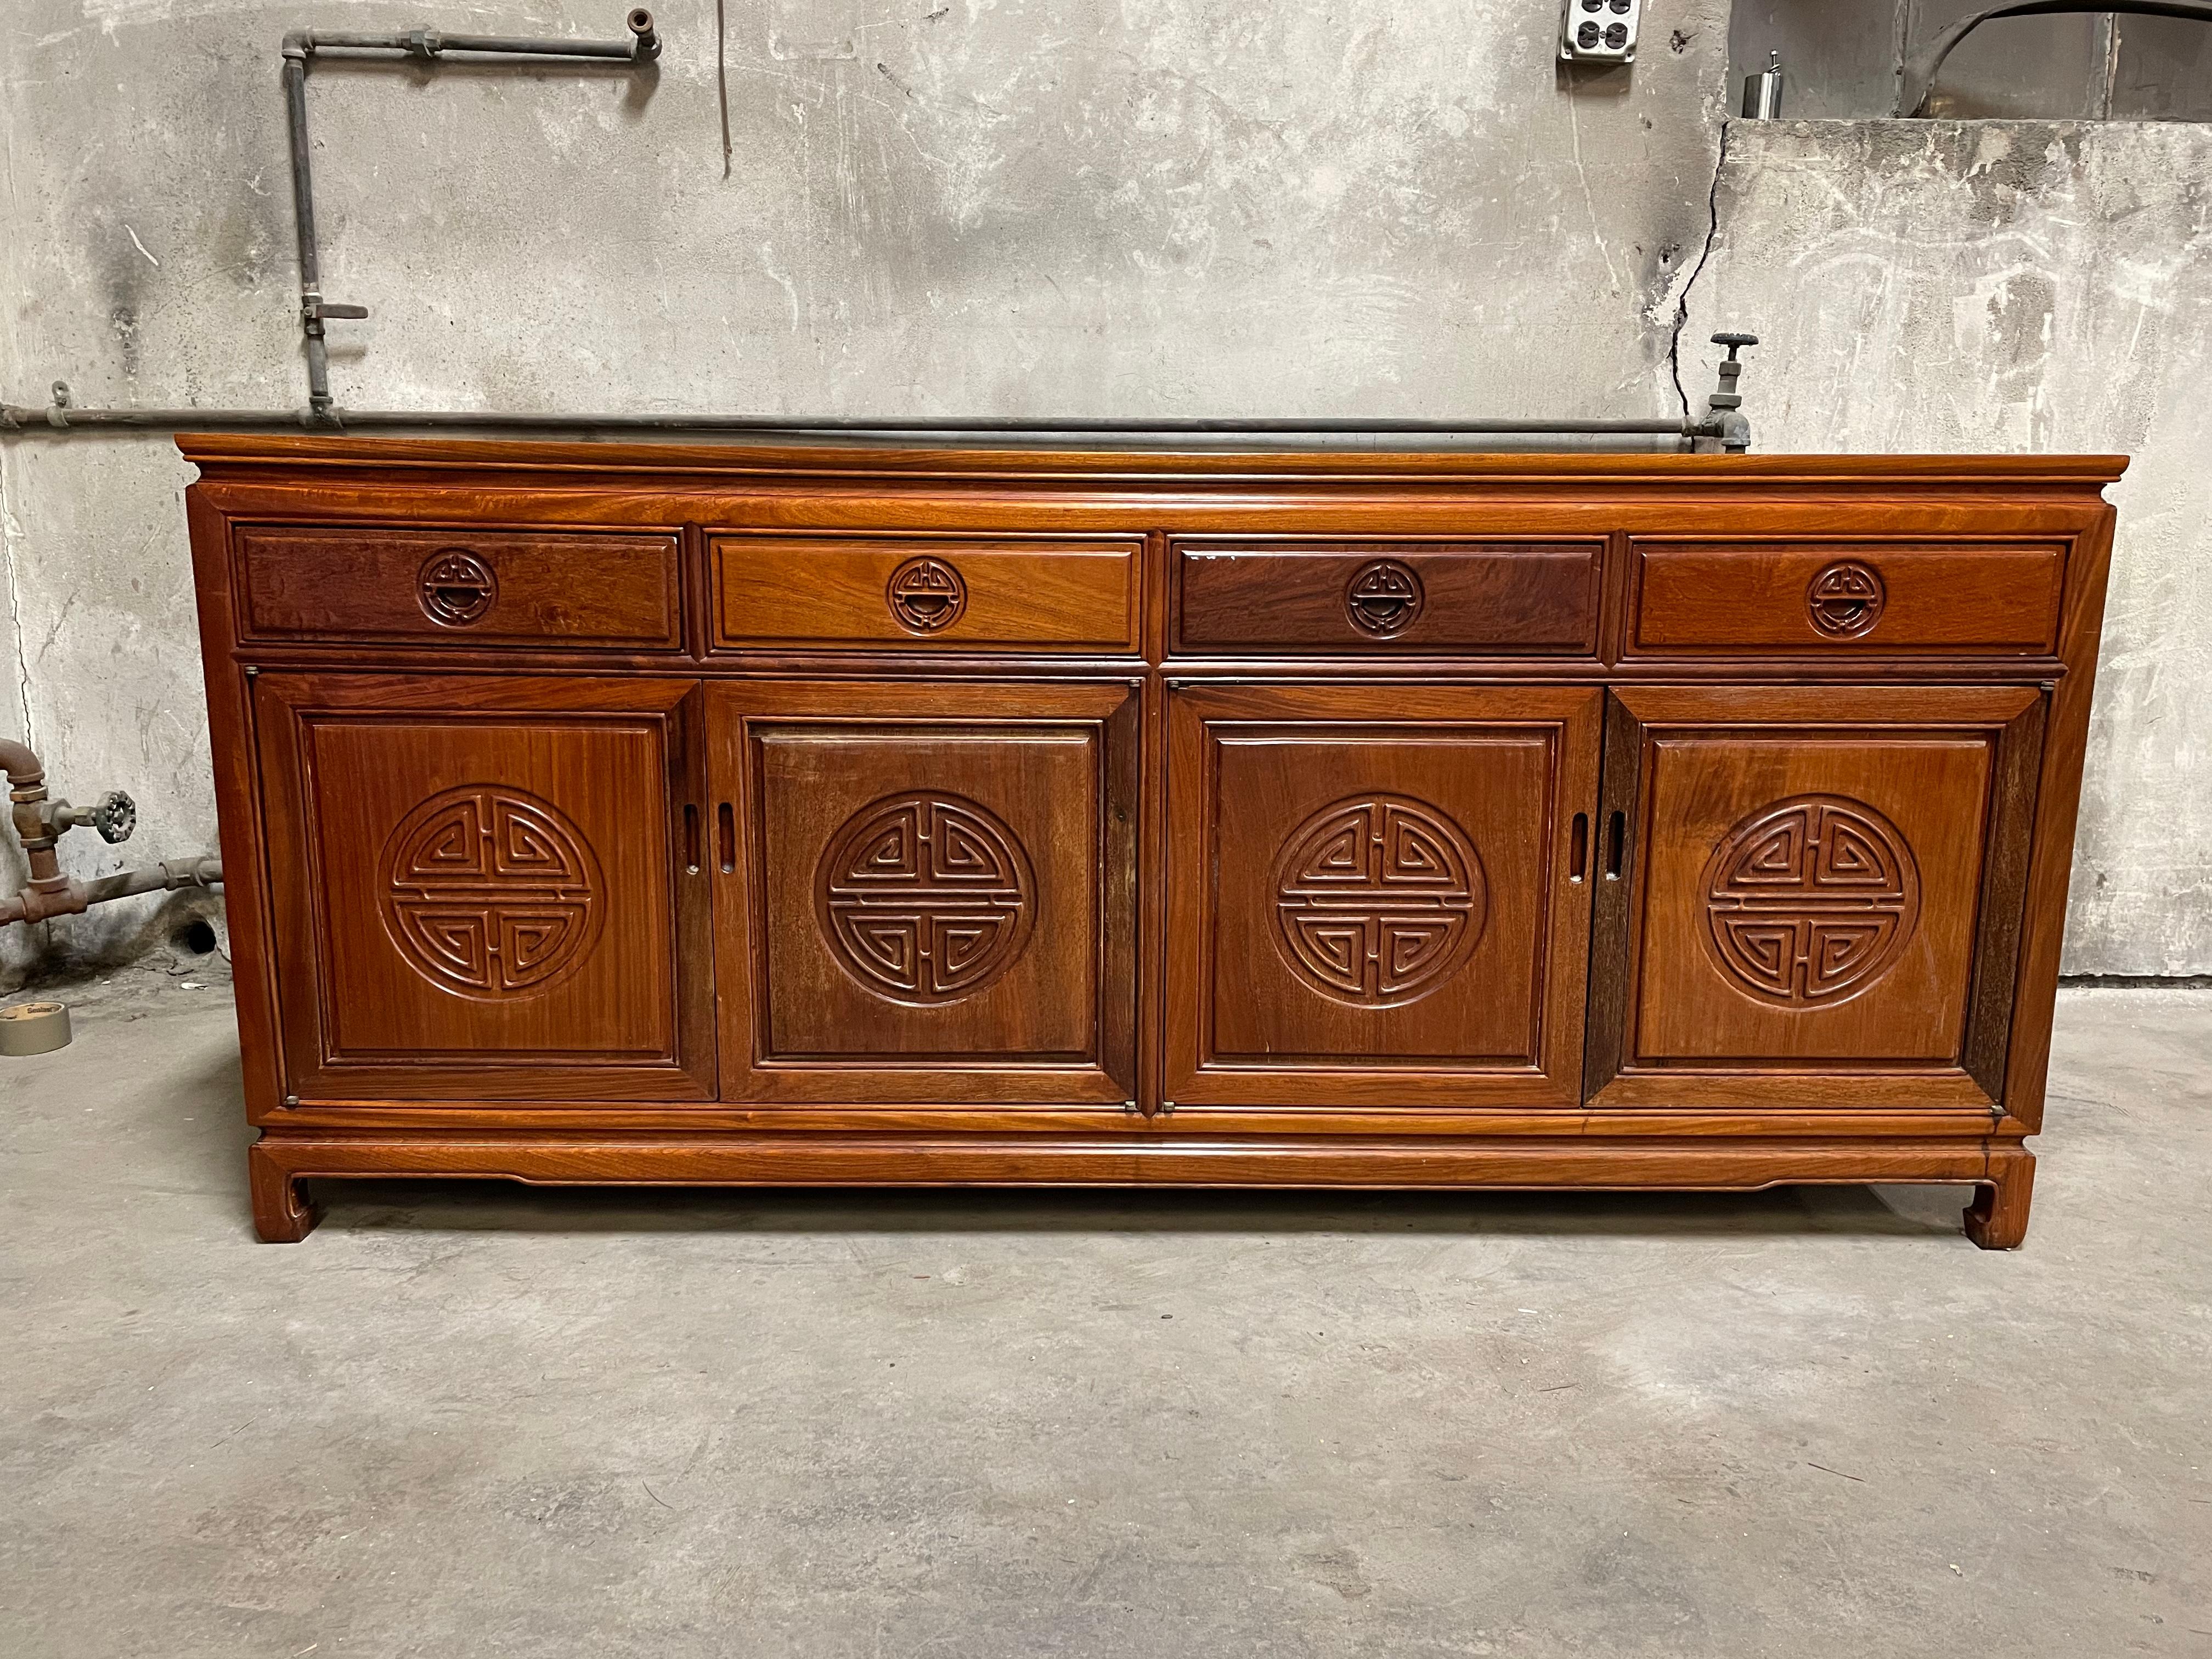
<point x="500" y="587"/>
<point x="1507" y="596"/>
<point x="1865" y="597"/>
<point x="928" y="594"/>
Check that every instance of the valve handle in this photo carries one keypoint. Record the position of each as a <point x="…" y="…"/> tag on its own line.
<point x="115" y="817"/>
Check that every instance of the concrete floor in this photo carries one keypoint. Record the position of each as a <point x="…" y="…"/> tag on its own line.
<point x="480" y="1420"/>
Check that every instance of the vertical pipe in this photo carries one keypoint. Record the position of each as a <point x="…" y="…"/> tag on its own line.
<point x="303" y="213"/>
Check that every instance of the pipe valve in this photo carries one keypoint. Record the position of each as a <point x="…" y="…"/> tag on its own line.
<point x="115" y="814"/>
<point x="40" y="821"/>
<point x="1725" y="406"/>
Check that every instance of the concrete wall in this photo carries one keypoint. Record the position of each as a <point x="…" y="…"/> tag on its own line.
<point x="1998" y="285"/>
<point x="1151" y="207"/>
<point x="1148" y="207"/>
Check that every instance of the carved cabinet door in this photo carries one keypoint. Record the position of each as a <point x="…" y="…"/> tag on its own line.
<point x="926" y="893"/>
<point x="1811" y="896"/>
<point x="1378" y="895"/>
<point x="487" y="889"/>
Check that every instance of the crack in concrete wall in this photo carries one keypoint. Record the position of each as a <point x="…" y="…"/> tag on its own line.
<point x="1696" y="270"/>
<point x="9" y="535"/>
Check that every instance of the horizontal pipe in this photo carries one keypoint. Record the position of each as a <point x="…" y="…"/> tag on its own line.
<point x="642" y="47"/>
<point x="17" y="418"/>
<point x="123" y="884"/>
<point x="438" y="42"/>
<point x="56" y="896"/>
<point x="164" y="877"/>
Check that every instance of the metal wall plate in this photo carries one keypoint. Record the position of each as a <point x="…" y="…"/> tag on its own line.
<point x="1599" y="31"/>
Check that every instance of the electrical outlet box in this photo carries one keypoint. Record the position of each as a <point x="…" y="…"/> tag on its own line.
<point x="1599" y="31"/>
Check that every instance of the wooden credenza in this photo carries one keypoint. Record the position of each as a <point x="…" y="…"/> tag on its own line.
<point x="858" y="815"/>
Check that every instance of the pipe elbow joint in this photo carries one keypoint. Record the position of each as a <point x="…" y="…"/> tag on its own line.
<point x="646" y="45"/>
<point x="21" y="764"/>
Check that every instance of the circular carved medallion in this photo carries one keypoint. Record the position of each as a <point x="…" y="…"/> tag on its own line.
<point x="925" y="898"/>
<point x="1810" y="900"/>
<point x="456" y="587"/>
<point x="1379" y="899"/>
<point x="1844" y="600"/>
<point x="491" y="893"/>
<point x="926" y="595"/>
<point x="1384" y="598"/>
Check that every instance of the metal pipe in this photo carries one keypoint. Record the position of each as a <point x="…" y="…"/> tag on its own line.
<point x="643" y="46"/>
<point x="322" y="414"/>
<point x="300" y="46"/>
<point x="24" y="767"/>
<point x="74" y="898"/>
<point x="41" y="822"/>
<point x="165" y="877"/>
<point x="1918" y="79"/>
<point x="63" y="418"/>
<point x="48" y="892"/>
<point x="303" y="218"/>
<point x="44" y="898"/>
<point x="426" y="43"/>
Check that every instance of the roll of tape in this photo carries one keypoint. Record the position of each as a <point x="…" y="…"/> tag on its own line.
<point x="33" y="1027"/>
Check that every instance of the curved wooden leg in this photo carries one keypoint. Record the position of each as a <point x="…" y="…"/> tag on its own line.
<point x="282" y="1213"/>
<point x="1997" y="1218"/>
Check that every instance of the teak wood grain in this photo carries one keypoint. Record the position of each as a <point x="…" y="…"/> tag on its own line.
<point x="1308" y="965"/>
<point x="1907" y="787"/>
<point x="1707" y="595"/>
<point x="1457" y="598"/>
<point x="482" y="888"/>
<point x="305" y="583"/>
<point x="831" y="591"/>
<point x="926" y="893"/>
<point x="759" y="814"/>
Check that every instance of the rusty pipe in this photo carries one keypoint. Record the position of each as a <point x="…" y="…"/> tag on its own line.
<point x="23" y="766"/>
<point x="74" y="898"/>
<point x="163" y="877"/>
<point x="26" y="796"/>
<point x="40" y="824"/>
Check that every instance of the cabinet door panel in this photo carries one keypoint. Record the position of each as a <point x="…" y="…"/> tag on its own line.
<point x="1373" y="896"/>
<point x="1818" y="894"/>
<point x="928" y="895"/>
<point x="479" y="892"/>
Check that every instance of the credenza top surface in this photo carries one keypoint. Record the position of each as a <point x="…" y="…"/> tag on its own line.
<point x="230" y="454"/>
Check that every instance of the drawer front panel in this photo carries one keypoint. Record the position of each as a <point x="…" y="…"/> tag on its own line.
<point x="1409" y="596"/>
<point x="497" y="587"/>
<point x="927" y="593"/>
<point x="1862" y="597"/>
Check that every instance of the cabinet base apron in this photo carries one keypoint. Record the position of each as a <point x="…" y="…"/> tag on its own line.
<point x="2001" y="1174"/>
